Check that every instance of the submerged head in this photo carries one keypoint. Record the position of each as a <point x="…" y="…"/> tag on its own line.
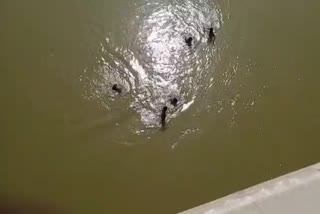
<point x="174" y="101"/>
<point x="189" y="41"/>
<point x="164" y="109"/>
<point x="116" y="88"/>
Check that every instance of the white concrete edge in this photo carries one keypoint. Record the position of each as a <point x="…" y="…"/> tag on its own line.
<point x="259" y="192"/>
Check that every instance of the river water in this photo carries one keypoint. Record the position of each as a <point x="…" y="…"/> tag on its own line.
<point x="247" y="111"/>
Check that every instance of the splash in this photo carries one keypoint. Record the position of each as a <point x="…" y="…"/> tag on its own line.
<point x="155" y="64"/>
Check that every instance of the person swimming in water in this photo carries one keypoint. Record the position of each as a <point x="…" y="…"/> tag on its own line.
<point x="212" y="36"/>
<point x="116" y="88"/>
<point x="174" y="101"/>
<point x="189" y="41"/>
<point x="163" y="116"/>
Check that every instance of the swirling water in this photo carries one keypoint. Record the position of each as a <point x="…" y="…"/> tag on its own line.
<point x="155" y="64"/>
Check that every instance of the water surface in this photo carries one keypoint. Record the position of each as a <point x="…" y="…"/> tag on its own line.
<point x="248" y="105"/>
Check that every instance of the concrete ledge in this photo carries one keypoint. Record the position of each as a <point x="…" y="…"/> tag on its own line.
<point x="294" y="193"/>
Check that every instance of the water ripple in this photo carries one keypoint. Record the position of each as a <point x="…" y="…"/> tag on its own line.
<point x="155" y="64"/>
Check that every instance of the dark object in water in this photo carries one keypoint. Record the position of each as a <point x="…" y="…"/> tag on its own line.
<point x="212" y="36"/>
<point x="174" y="101"/>
<point x="116" y="88"/>
<point x="188" y="41"/>
<point x="163" y="116"/>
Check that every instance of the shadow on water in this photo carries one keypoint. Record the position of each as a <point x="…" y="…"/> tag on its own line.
<point x="22" y="206"/>
<point x="154" y="64"/>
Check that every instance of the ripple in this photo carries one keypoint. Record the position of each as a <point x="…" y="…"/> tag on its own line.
<point x="155" y="64"/>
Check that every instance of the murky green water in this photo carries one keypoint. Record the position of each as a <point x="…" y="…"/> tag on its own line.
<point x="248" y="106"/>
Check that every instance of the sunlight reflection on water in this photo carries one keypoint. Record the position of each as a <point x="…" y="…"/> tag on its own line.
<point x="157" y="65"/>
